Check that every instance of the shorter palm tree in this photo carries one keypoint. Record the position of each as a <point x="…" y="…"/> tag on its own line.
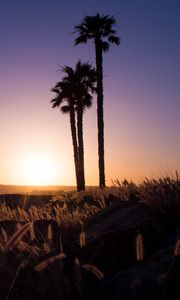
<point x="64" y="100"/>
<point x="74" y="95"/>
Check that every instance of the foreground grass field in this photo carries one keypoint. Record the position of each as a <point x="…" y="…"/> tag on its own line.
<point x="122" y="242"/>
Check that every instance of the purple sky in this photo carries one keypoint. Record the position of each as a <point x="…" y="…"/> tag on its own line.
<point x="141" y="88"/>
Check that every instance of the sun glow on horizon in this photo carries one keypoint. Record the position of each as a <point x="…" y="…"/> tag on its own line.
<point x="39" y="170"/>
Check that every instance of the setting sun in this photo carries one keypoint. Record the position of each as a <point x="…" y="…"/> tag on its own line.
<point x="38" y="170"/>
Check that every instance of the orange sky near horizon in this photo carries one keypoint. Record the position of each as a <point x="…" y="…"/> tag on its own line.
<point x="36" y="161"/>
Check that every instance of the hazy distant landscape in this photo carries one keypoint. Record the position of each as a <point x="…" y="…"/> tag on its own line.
<point x="33" y="190"/>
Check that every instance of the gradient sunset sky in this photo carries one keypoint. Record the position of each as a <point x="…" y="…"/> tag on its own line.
<point x="141" y="91"/>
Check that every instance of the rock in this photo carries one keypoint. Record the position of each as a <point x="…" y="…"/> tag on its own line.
<point x="157" y="278"/>
<point x="173" y="280"/>
<point x="111" y="235"/>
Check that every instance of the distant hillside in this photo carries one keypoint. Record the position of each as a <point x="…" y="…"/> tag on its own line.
<point x="33" y="190"/>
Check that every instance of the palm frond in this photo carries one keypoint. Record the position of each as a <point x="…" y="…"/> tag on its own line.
<point x="82" y="39"/>
<point x="65" y="109"/>
<point x="105" y="46"/>
<point x="114" y="39"/>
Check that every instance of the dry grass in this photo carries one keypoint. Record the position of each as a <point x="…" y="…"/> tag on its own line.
<point x="71" y="209"/>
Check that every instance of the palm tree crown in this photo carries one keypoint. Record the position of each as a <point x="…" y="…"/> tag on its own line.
<point x="97" y="27"/>
<point x="76" y="86"/>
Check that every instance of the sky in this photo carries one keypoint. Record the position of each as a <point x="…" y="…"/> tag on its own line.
<point x="141" y="91"/>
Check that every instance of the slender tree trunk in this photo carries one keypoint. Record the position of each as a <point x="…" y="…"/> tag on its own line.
<point x="75" y="145"/>
<point x="81" y="145"/>
<point x="100" y="112"/>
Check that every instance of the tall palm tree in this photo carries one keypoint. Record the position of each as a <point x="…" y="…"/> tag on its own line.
<point x="74" y="90"/>
<point x="100" y="29"/>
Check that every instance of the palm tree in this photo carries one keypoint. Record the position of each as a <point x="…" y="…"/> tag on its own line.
<point x="64" y="93"/>
<point x="85" y="82"/>
<point x="99" y="28"/>
<point x="74" y="90"/>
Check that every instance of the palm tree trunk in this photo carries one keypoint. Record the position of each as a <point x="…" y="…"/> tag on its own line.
<point x="75" y="146"/>
<point x="100" y="112"/>
<point x="81" y="146"/>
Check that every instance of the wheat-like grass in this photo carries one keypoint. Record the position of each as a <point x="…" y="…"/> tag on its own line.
<point x="33" y="212"/>
<point x="46" y="247"/>
<point x="50" y="234"/>
<point x="44" y="264"/>
<point x="139" y="247"/>
<point x="94" y="270"/>
<point x="36" y="251"/>
<point x="32" y="233"/>
<point x="1" y="247"/>
<point x="177" y="248"/>
<point x="23" y="246"/>
<point x="82" y="237"/>
<point x="16" y="237"/>
<point x="4" y="235"/>
<point x="22" y="214"/>
<point x="18" y="226"/>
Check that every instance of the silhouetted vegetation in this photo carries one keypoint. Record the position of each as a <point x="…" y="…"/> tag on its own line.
<point x="73" y="95"/>
<point x="76" y="86"/>
<point x="99" y="29"/>
<point x="121" y="242"/>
